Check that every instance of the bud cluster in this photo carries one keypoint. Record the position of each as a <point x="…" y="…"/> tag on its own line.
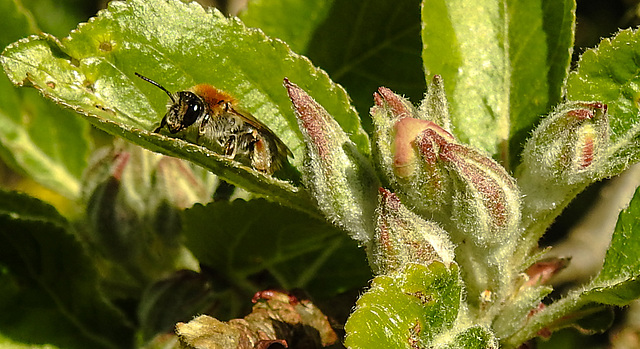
<point x="444" y="192"/>
<point x="437" y="196"/>
<point x="133" y="201"/>
<point x="440" y="178"/>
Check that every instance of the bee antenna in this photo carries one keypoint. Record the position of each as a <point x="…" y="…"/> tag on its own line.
<point x="156" y="85"/>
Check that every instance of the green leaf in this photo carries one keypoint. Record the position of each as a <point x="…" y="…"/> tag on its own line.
<point x="39" y="138"/>
<point x="559" y="20"/>
<point x="52" y="294"/>
<point x="610" y="73"/>
<point x="24" y="207"/>
<point x="240" y="239"/>
<point x="178" y="45"/>
<point x="292" y="21"/>
<point x="558" y="24"/>
<point x="497" y="79"/>
<point x="618" y="283"/>
<point x="414" y="307"/>
<point x="366" y="44"/>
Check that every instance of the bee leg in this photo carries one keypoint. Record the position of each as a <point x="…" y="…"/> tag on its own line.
<point x="261" y="156"/>
<point x="230" y="147"/>
<point x="201" y="129"/>
<point x="163" y="123"/>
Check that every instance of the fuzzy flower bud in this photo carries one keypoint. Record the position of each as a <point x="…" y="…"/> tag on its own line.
<point x="467" y="192"/>
<point x="570" y="144"/>
<point x="566" y="152"/>
<point x="486" y="203"/>
<point x="439" y="178"/>
<point x="339" y="177"/>
<point x="407" y="149"/>
<point x="133" y="201"/>
<point x="403" y="237"/>
<point x="484" y="220"/>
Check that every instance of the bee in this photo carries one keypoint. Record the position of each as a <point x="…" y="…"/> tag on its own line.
<point x="212" y="118"/>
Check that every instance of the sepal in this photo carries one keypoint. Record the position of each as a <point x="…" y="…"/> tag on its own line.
<point x="340" y="178"/>
<point x="435" y="106"/>
<point x="571" y="144"/>
<point x="403" y="237"/>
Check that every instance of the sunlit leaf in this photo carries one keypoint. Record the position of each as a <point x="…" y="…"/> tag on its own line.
<point x="498" y="79"/>
<point x="178" y="45"/>
<point x="416" y="307"/>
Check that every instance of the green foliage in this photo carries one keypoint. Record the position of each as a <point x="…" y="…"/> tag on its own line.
<point x="291" y="21"/>
<point x="415" y="307"/>
<point x="500" y="79"/>
<point x="92" y="71"/>
<point x="49" y="283"/>
<point x="367" y="44"/>
<point x="38" y="139"/>
<point x="297" y="251"/>
<point x="453" y="236"/>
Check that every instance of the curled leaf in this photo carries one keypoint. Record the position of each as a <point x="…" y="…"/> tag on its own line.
<point x="277" y="317"/>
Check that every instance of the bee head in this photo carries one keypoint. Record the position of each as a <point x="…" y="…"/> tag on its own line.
<point x="185" y="108"/>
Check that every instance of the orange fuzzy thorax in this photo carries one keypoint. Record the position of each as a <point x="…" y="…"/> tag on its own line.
<point x="213" y="97"/>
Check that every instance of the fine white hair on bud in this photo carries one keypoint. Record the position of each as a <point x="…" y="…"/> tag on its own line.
<point x="403" y="237"/>
<point x="338" y="176"/>
<point x="571" y="144"/>
<point x="486" y="199"/>
<point x="566" y="152"/>
<point x="418" y="178"/>
<point x="464" y="190"/>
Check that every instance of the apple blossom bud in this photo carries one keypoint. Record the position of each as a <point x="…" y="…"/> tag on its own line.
<point x="338" y="176"/>
<point x="474" y="198"/>
<point x="133" y="201"/>
<point x="403" y="237"/>
<point x="570" y="144"/>
<point x="407" y="150"/>
<point x="484" y="220"/>
<point x="486" y="203"/>
<point x="567" y="151"/>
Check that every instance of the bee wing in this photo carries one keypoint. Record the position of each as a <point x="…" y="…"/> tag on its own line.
<point x="281" y="148"/>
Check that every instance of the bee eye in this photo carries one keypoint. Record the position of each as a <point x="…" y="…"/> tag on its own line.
<point x="192" y="113"/>
<point x="193" y="108"/>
